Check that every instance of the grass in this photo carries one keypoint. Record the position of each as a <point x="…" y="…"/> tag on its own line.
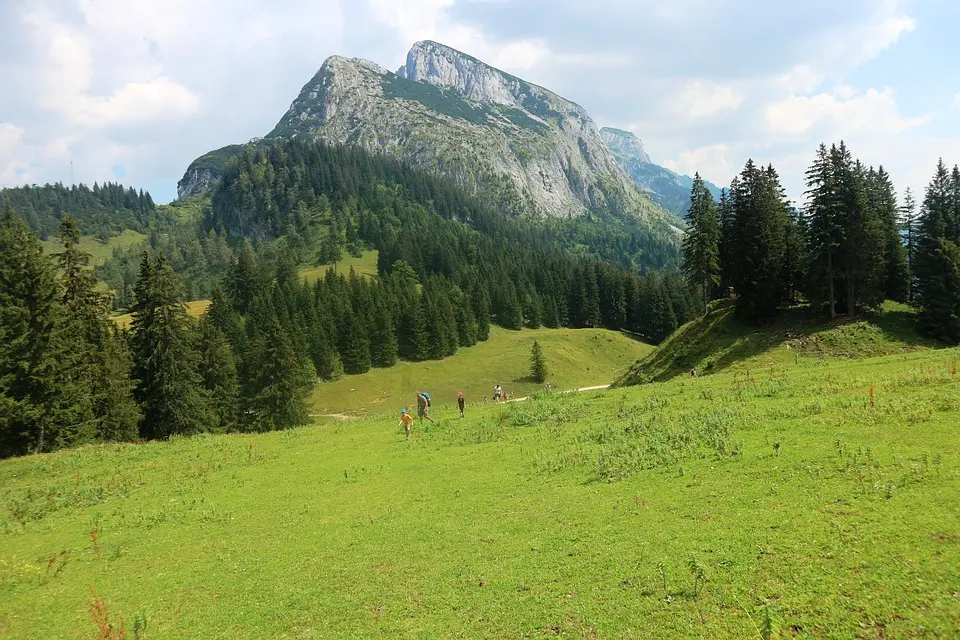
<point x="819" y="500"/>
<point x="100" y="252"/>
<point x="365" y="265"/>
<point x="575" y="358"/>
<point x="718" y="341"/>
<point x="195" y="309"/>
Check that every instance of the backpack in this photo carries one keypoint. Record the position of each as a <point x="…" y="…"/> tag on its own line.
<point x="426" y="396"/>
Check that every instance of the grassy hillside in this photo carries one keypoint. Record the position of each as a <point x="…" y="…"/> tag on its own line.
<point x="819" y="502"/>
<point x="98" y="251"/>
<point x="365" y="265"/>
<point x="719" y="341"/>
<point x="575" y="358"/>
<point x="196" y="309"/>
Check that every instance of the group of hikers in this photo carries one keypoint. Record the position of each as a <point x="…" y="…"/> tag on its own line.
<point x="423" y="407"/>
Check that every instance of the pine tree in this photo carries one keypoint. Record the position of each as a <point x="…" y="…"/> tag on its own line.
<point x="760" y="217"/>
<point x="169" y="388"/>
<point x="824" y="230"/>
<point x="701" y="245"/>
<point x="99" y="363"/>
<point x="896" y="273"/>
<point x="218" y="369"/>
<point x="538" y="364"/>
<point x="383" y="338"/>
<point x="354" y="344"/>
<point x="30" y="406"/>
<point x="937" y="262"/>
<point x="908" y="224"/>
<point x="282" y="383"/>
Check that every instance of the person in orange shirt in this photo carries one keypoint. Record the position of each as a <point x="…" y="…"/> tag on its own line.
<point x="406" y="420"/>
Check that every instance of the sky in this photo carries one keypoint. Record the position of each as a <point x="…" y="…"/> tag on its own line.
<point x="134" y="90"/>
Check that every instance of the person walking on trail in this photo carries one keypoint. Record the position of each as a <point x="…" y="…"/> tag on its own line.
<point x="406" y="421"/>
<point x="497" y="393"/>
<point x="460" y="402"/>
<point x="423" y="406"/>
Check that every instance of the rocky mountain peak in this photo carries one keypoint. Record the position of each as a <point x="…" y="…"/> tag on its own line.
<point x="625" y="144"/>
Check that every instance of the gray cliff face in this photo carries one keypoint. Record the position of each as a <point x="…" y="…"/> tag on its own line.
<point x="624" y="144"/>
<point x="523" y="147"/>
<point x="197" y="180"/>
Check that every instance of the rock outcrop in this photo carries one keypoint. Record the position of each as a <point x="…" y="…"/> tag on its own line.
<point x="523" y="147"/>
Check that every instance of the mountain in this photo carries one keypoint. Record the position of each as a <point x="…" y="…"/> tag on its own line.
<point x="520" y="146"/>
<point x="669" y="189"/>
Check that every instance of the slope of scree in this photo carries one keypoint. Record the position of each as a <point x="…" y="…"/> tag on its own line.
<point x="718" y="341"/>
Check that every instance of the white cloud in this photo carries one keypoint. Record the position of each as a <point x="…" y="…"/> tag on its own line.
<point x="842" y="112"/>
<point x="68" y="74"/>
<point x="802" y="78"/>
<point x="157" y="99"/>
<point x="700" y="98"/>
<point x="712" y="162"/>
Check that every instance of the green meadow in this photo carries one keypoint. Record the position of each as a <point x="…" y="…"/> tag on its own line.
<point x="575" y="358"/>
<point x="99" y="252"/>
<point x="811" y="500"/>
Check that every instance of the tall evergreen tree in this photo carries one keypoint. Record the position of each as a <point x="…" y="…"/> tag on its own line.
<point x="908" y="225"/>
<point x="825" y="231"/>
<point x="937" y="262"/>
<point x="218" y="370"/>
<point x="169" y="388"/>
<point x="282" y="383"/>
<point x="31" y="408"/>
<point x="760" y="217"/>
<point x="701" y="245"/>
<point x="538" y="364"/>
<point x="383" y="338"/>
<point x="99" y="364"/>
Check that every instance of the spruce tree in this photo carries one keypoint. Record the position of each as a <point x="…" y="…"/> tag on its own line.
<point x="281" y="385"/>
<point x="218" y="369"/>
<point x="701" y="245"/>
<point x="383" y="338"/>
<point x="824" y="229"/>
<point x="937" y="262"/>
<point x="908" y="224"/>
<point x="538" y="364"/>
<point x="354" y="344"/>
<point x="896" y="273"/>
<point x="99" y="363"/>
<point x="169" y="388"/>
<point x="760" y="217"/>
<point x="30" y="397"/>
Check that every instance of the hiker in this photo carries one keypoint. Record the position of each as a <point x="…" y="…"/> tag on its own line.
<point x="406" y="421"/>
<point x="484" y="399"/>
<point x="497" y="393"/>
<point x="460" y="402"/>
<point x="423" y="406"/>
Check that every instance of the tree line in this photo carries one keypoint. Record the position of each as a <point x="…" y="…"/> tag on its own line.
<point x="850" y="248"/>
<point x="102" y="211"/>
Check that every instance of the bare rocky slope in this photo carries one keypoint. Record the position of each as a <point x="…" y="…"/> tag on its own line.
<point x="524" y="147"/>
